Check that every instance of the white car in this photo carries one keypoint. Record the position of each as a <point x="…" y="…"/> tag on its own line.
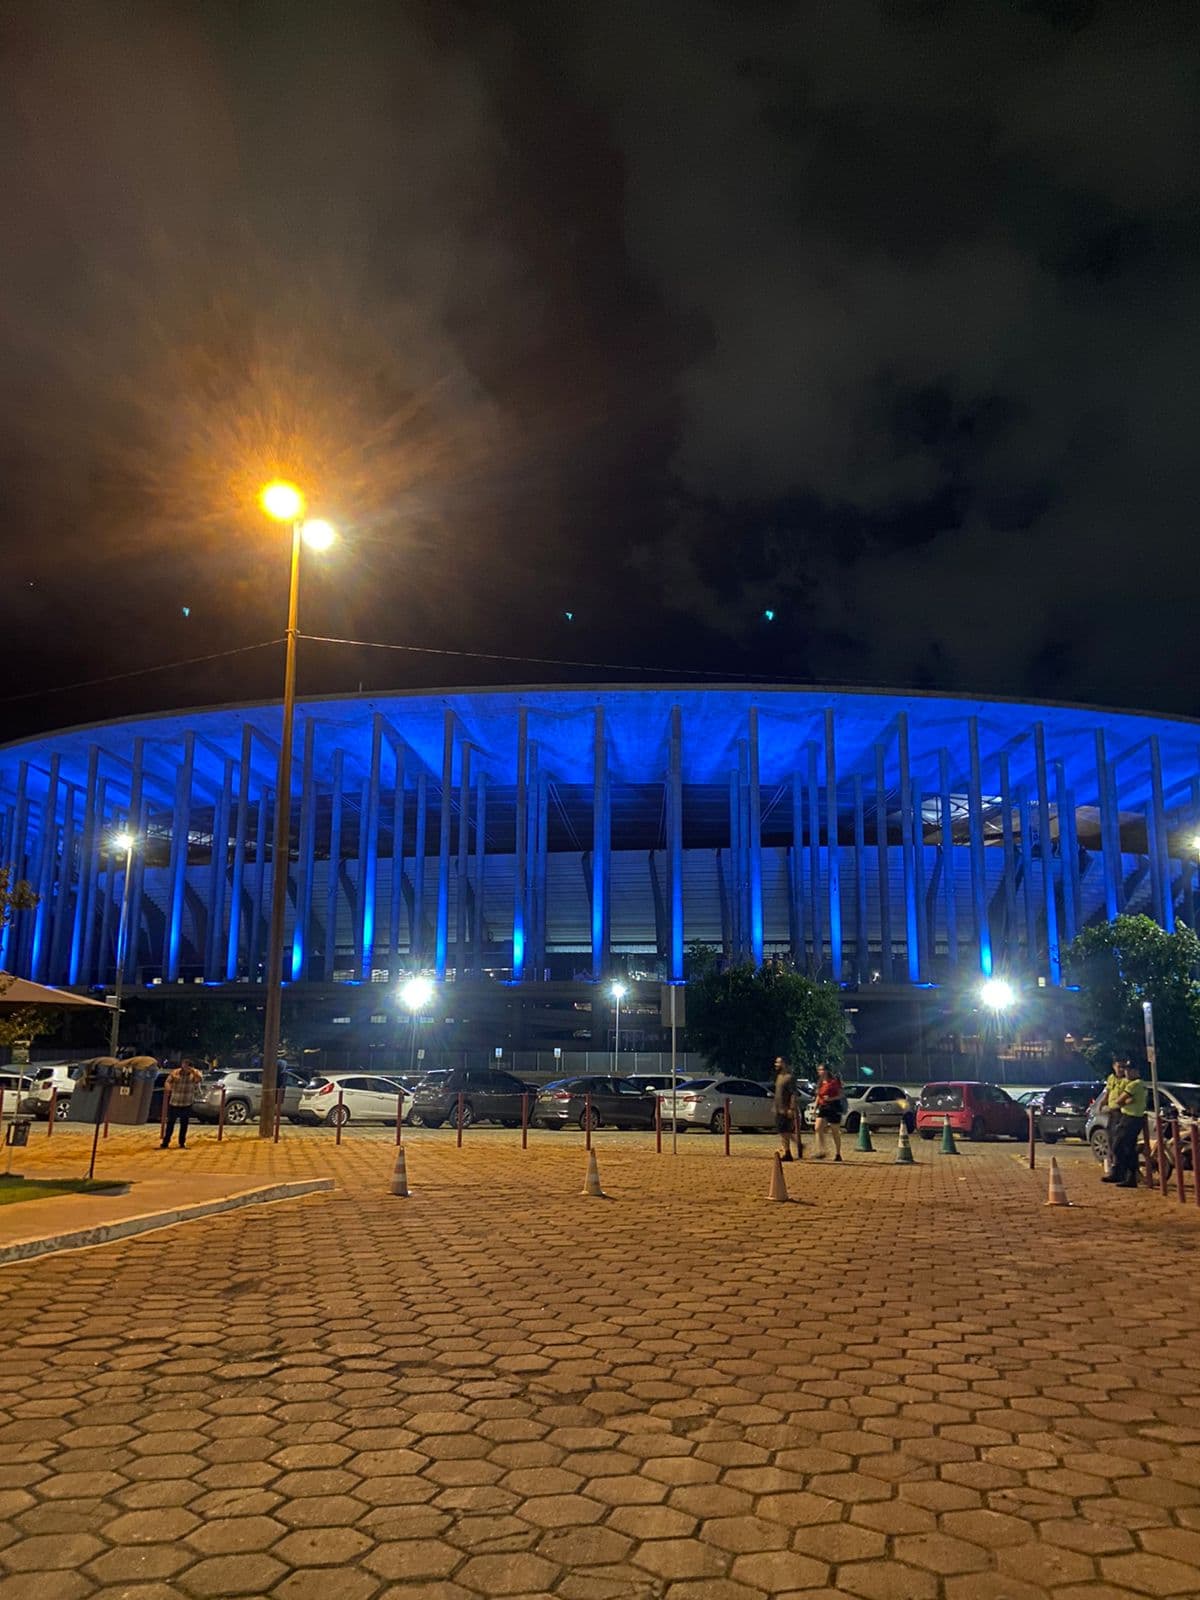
<point x="340" y="1098"/>
<point x="700" y="1103"/>
<point x="879" y="1105"/>
<point x="40" y="1083"/>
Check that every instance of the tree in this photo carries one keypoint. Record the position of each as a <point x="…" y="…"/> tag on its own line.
<point x="1122" y="963"/>
<point x="742" y="1017"/>
<point x="15" y="895"/>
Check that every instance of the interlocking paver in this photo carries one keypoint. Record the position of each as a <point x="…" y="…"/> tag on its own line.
<point x="610" y="1418"/>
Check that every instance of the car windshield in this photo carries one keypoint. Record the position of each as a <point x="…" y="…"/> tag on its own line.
<point x="853" y="1090"/>
<point x="942" y="1097"/>
<point x="1188" y="1095"/>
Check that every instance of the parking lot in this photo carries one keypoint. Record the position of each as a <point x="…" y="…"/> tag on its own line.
<point x="912" y="1382"/>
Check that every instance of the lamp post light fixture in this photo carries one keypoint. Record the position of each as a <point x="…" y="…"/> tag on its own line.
<point x="121" y="842"/>
<point x="998" y="995"/>
<point x="618" y="990"/>
<point x="415" y="994"/>
<point x="283" y="502"/>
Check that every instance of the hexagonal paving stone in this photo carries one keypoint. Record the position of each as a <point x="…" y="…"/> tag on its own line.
<point x="218" y="1576"/>
<point x="506" y="1574"/>
<point x="232" y="1535"/>
<point x="414" y="1558"/>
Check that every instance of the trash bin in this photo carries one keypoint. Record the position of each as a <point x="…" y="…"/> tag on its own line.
<point x="18" y="1131"/>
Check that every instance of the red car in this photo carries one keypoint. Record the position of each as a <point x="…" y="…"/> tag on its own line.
<point x="975" y="1110"/>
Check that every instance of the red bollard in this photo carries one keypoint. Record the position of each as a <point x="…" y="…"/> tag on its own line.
<point x="587" y="1117"/>
<point x="53" y="1112"/>
<point x="796" y="1118"/>
<point x="524" y="1122"/>
<point x="728" y="1121"/>
<point x="221" y="1116"/>
<point x="400" y="1117"/>
<point x="658" y="1124"/>
<point x="1196" y="1160"/>
<point x="341" y="1112"/>
<point x="460" y="1119"/>
<point x="1146" y="1152"/>
<point x="1177" y="1146"/>
<point x="1032" y="1140"/>
<point x="1162" y="1154"/>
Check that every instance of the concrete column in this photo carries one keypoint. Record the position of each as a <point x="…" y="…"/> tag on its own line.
<point x="796" y="875"/>
<point x="1012" y="932"/>
<point x="480" y="930"/>
<point x="15" y="860"/>
<point x="881" y="848"/>
<point x="233" y="944"/>
<point x="754" y="842"/>
<point x="60" y="937"/>
<point x="333" y="883"/>
<point x="462" y="955"/>
<point x="912" y="917"/>
<point x="1068" y="868"/>
<point x="815" y="919"/>
<point x="301" y="931"/>
<point x="87" y="865"/>
<point x="442" y="934"/>
<point x="218" y="867"/>
<point x="266" y="803"/>
<point x="949" y="885"/>
<point x="737" y="878"/>
<point x="45" y="878"/>
<point x="983" y="934"/>
<point x="541" y="887"/>
<point x="862" y="952"/>
<point x="675" y="844"/>
<point x="396" y="902"/>
<point x="180" y="823"/>
<point x="601" y="849"/>
<point x="521" y="838"/>
<point x="1053" y="952"/>
<point x="1027" y="875"/>
<point x="368" y="854"/>
<point x="1162" y="859"/>
<point x="1110" y="845"/>
<point x="833" y="848"/>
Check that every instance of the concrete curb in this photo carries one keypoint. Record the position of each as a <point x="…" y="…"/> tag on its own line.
<point x="106" y="1232"/>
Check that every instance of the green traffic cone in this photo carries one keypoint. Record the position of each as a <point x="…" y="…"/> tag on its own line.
<point x="864" y="1137"/>
<point x="904" y="1155"/>
<point x="949" y="1148"/>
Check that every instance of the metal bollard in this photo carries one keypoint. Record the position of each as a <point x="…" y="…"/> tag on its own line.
<point x="278" y="1112"/>
<point x="400" y="1117"/>
<point x="658" y="1124"/>
<point x="162" y="1121"/>
<point x="728" y="1122"/>
<point x="1032" y="1140"/>
<point x="53" y="1112"/>
<point x="460" y="1119"/>
<point x="587" y="1117"/>
<point x="798" y="1121"/>
<point x="341" y="1112"/>
<point x="1162" y="1154"/>
<point x="221" y="1116"/>
<point x="1147" y="1154"/>
<point x="524" y="1122"/>
<point x="1177" y="1147"/>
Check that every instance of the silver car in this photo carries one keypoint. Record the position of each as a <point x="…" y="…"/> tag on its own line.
<point x="700" y="1103"/>
<point x="1176" y="1100"/>
<point x="243" y="1096"/>
<point x="879" y="1105"/>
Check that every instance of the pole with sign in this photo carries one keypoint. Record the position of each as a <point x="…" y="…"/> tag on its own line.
<point x="671" y="1009"/>
<point x="1151" y="1052"/>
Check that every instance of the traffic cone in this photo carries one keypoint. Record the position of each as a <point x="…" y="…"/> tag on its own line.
<point x="1057" y="1195"/>
<point x="864" y="1137"/>
<point x="949" y="1148"/>
<point x="904" y="1155"/>
<point x="1108" y="1163"/>
<point x="591" y="1184"/>
<point x="400" y="1175"/>
<point x="778" y="1187"/>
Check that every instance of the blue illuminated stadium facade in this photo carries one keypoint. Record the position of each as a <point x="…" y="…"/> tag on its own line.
<point x="541" y="836"/>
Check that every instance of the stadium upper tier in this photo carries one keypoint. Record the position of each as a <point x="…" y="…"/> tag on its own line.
<point x="533" y="832"/>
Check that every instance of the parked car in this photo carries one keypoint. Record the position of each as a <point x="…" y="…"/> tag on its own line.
<point x="14" y="1084"/>
<point x="40" y="1084"/>
<point x="243" y="1095"/>
<point x="1064" y="1110"/>
<point x="879" y="1105"/>
<point x="976" y="1110"/>
<point x="488" y="1096"/>
<point x="658" y="1080"/>
<point x="340" y="1098"/>
<point x="700" y="1103"/>
<point x="1031" y="1099"/>
<point x="611" y="1102"/>
<point x="1175" y="1100"/>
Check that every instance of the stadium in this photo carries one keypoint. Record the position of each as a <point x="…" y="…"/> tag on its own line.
<point x="522" y="844"/>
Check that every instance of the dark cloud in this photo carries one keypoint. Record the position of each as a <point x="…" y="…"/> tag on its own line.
<point x="880" y="314"/>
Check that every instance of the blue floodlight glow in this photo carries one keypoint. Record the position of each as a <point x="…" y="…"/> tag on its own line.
<point x="924" y="865"/>
<point x="768" y="616"/>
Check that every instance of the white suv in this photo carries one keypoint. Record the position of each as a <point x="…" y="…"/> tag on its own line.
<point x="40" y="1084"/>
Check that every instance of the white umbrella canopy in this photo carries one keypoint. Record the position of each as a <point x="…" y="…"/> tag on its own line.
<point x="21" y="992"/>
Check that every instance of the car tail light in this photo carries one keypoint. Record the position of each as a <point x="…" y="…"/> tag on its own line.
<point x="326" y="1088"/>
<point x="559" y="1094"/>
<point x="687" y="1099"/>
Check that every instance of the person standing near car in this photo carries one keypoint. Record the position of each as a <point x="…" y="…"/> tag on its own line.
<point x="831" y="1106"/>
<point x="1114" y="1086"/>
<point x="1130" y="1124"/>
<point x="180" y="1089"/>
<point x="785" y="1106"/>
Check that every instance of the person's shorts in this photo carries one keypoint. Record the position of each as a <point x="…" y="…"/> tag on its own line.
<point x="785" y="1122"/>
<point x="833" y="1118"/>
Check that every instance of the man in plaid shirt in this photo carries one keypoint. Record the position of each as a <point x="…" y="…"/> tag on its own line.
<point x="180" y="1089"/>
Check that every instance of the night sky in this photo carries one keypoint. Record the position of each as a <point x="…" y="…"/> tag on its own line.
<point x="878" y="315"/>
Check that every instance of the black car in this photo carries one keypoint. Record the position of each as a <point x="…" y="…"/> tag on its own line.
<point x="1064" y="1110"/>
<point x="615" y="1102"/>
<point x="487" y="1096"/>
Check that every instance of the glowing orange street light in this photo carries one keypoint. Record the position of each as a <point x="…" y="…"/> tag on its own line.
<point x="283" y="502"/>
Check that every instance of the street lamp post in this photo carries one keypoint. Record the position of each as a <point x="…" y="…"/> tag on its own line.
<point x="618" y="992"/>
<point x="997" y="995"/>
<point x="126" y="842"/>
<point x="415" y="994"/>
<point x="283" y="502"/>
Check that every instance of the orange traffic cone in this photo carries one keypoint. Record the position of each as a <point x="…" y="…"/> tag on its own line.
<point x="1057" y="1195"/>
<point x="778" y="1188"/>
<point x="591" y="1184"/>
<point x="400" y="1175"/>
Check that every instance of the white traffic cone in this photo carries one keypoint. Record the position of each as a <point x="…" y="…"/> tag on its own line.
<point x="778" y="1185"/>
<point x="591" y="1183"/>
<point x="1057" y="1195"/>
<point x="904" y="1155"/>
<point x="400" y="1174"/>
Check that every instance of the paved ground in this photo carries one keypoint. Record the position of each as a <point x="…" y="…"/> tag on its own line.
<point x="917" y="1384"/>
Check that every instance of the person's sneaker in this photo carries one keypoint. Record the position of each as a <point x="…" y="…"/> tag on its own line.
<point x="836" y="1159"/>
<point x="818" y="1155"/>
<point x="1109" y="1179"/>
<point x="786" y="1156"/>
